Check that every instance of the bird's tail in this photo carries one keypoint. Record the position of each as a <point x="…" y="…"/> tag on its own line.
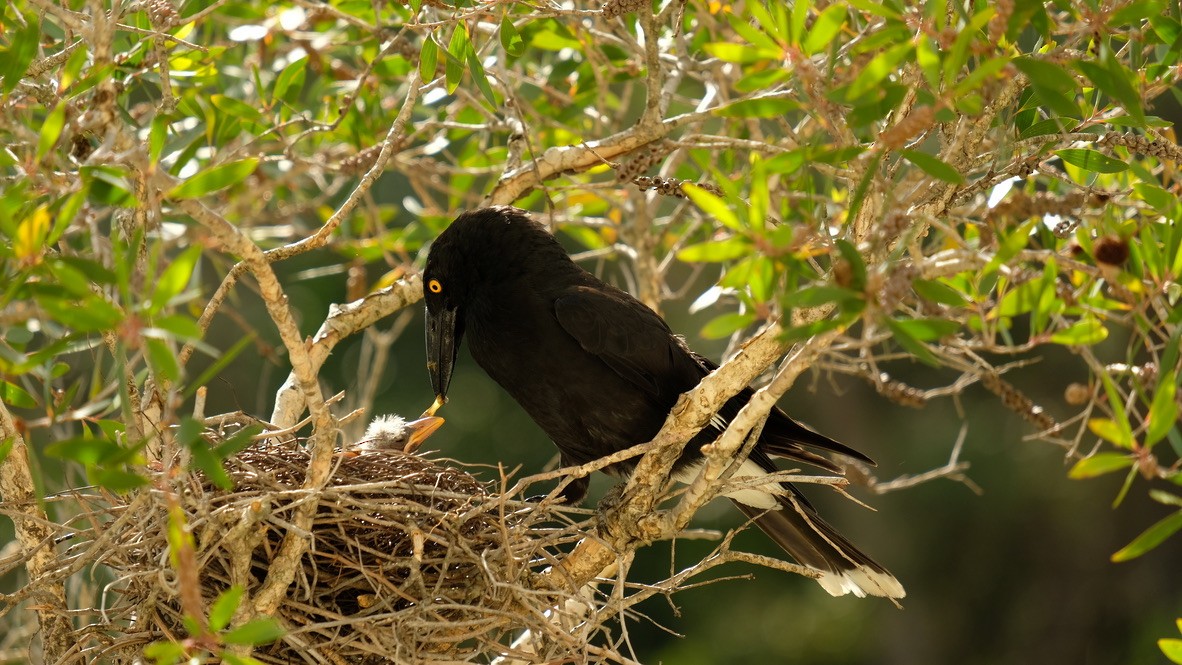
<point x="813" y="543"/>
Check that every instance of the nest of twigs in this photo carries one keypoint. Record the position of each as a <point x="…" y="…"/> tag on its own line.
<point x="409" y="560"/>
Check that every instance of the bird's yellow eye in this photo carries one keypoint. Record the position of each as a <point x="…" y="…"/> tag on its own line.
<point x="434" y="286"/>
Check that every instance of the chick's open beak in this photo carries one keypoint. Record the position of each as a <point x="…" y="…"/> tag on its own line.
<point x="419" y="431"/>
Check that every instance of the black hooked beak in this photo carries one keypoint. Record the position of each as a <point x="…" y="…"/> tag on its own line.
<point x="443" y="344"/>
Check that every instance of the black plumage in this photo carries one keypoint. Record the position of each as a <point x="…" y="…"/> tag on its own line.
<point x="599" y="372"/>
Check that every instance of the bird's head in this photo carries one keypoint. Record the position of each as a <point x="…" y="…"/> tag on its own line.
<point x="480" y="249"/>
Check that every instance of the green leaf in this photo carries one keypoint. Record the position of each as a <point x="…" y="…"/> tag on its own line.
<point x="87" y="450"/>
<point x="714" y="251"/>
<point x="258" y="631"/>
<point x="1090" y="160"/>
<point x="933" y="166"/>
<point x="291" y="78"/>
<point x="1099" y="464"/>
<point x="157" y="136"/>
<point x="938" y="292"/>
<point x="6" y="448"/>
<point x="854" y="260"/>
<point x="1019" y="300"/>
<point x="928" y="330"/>
<point x="224" y="607"/>
<point x="91" y="314"/>
<point x="740" y="53"/>
<point x="877" y="69"/>
<point x="13" y="395"/>
<point x="214" y="178"/>
<point x="976" y="77"/>
<point x="1084" y="332"/>
<point x="51" y="130"/>
<point x="1110" y="431"/>
<point x="927" y="54"/>
<point x="1115" y="81"/>
<point x="1150" y="538"/>
<point x="21" y="51"/>
<point x="236" y="108"/>
<point x="165" y="652"/>
<point x="712" y="205"/>
<point x="1118" y="411"/>
<point x="826" y="26"/>
<point x="174" y="279"/>
<point x="162" y="359"/>
<point x="814" y="296"/>
<point x="510" y="38"/>
<point x="458" y="49"/>
<point x="428" y="59"/>
<point x="727" y="324"/>
<point x="911" y="344"/>
<point x="481" y="79"/>
<point x="1047" y="75"/>
<point x="117" y="480"/>
<point x="1172" y="648"/>
<point x="1163" y="412"/>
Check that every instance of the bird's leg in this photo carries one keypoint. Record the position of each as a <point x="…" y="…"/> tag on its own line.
<point x="574" y="491"/>
<point x="607" y="517"/>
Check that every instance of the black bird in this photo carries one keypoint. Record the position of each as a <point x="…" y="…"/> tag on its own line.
<point x="599" y="372"/>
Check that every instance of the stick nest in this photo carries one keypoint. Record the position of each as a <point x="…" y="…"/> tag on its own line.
<point x="410" y="560"/>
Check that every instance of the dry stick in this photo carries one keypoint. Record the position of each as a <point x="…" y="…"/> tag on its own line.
<point x="35" y="533"/>
<point x="284" y="566"/>
<point x="644" y="489"/>
<point x="394" y="136"/>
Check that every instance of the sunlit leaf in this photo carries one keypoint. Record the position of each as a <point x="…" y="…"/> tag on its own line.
<point x="902" y="335"/>
<point x="826" y="26"/>
<point x="1172" y="648"/>
<point x="1081" y="333"/>
<point x="1110" y="431"/>
<point x="51" y="130"/>
<point x="933" y="166"/>
<point x="510" y="39"/>
<point x="1150" y="538"/>
<point x="291" y="78"/>
<point x="713" y="251"/>
<point x="1163" y="412"/>
<point x="713" y="205"/>
<point x="1090" y="160"/>
<point x="428" y="59"/>
<point x="726" y="324"/>
<point x="928" y="330"/>
<point x="881" y="66"/>
<point x="1099" y="464"/>
<point x="255" y="632"/>
<point x="214" y="178"/>
<point x="224" y="606"/>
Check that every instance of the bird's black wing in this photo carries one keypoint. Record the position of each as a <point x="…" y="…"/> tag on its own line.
<point x="629" y="338"/>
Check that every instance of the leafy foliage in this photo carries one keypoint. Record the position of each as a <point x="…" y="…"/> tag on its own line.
<point x="953" y="183"/>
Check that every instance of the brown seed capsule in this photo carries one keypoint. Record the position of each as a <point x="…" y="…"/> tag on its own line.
<point x="1111" y="250"/>
<point x="1077" y="394"/>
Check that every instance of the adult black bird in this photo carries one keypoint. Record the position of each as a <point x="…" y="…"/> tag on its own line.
<point x="599" y="372"/>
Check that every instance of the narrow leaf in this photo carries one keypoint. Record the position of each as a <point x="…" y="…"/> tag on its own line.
<point x="1091" y="160"/>
<point x="214" y="178"/>
<point x="1099" y="464"/>
<point x="51" y="130"/>
<point x="933" y="166"/>
<point x="510" y="38"/>
<point x="1150" y="538"/>
<point x="824" y="29"/>
<point x="1163" y="412"/>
